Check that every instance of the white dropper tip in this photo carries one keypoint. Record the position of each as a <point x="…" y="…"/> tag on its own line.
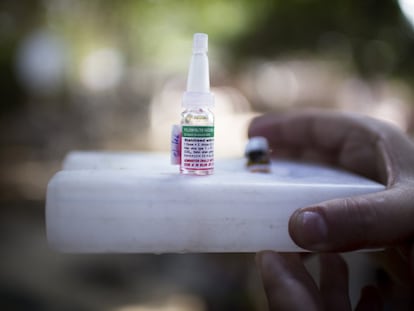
<point x="198" y="82"/>
<point x="200" y="43"/>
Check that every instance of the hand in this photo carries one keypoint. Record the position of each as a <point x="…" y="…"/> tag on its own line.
<point x="289" y="286"/>
<point x="360" y="144"/>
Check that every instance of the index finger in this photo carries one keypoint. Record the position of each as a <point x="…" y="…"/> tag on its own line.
<point x="357" y="143"/>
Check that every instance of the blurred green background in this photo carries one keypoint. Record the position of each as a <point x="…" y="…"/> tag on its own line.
<point x="108" y="75"/>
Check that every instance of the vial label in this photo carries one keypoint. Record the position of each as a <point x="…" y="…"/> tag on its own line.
<point x="197" y="147"/>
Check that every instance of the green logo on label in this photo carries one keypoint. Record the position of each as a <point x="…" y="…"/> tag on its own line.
<point x="198" y="131"/>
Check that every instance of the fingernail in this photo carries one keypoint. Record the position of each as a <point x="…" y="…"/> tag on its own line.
<point x="310" y="230"/>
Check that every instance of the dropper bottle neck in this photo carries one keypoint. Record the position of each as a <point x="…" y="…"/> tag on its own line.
<point x="198" y="83"/>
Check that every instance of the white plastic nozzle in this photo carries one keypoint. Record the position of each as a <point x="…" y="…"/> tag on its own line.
<point x="198" y="82"/>
<point x="200" y="43"/>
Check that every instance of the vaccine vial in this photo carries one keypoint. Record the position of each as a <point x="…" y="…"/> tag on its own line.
<point x="197" y="120"/>
<point x="257" y="153"/>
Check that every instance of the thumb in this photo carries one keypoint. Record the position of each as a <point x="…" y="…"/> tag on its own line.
<point x="366" y="221"/>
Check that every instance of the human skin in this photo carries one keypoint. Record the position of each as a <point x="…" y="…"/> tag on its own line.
<point x="374" y="149"/>
<point x="366" y="146"/>
<point x="289" y="286"/>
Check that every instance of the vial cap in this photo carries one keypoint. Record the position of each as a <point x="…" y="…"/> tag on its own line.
<point x="200" y="43"/>
<point x="257" y="143"/>
<point x="198" y="82"/>
<point x="198" y="99"/>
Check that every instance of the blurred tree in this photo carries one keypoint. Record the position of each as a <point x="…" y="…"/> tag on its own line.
<point x="16" y="18"/>
<point x="372" y="35"/>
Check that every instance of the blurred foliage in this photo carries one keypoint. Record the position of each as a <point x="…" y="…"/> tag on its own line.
<point x="153" y="32"/>
<point x="373" y="36"/>
<point x="370" y="37"/>
<point x="13" y="26"/>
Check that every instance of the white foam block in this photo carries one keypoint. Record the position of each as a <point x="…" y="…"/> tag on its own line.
<point x="138" y="203"/>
